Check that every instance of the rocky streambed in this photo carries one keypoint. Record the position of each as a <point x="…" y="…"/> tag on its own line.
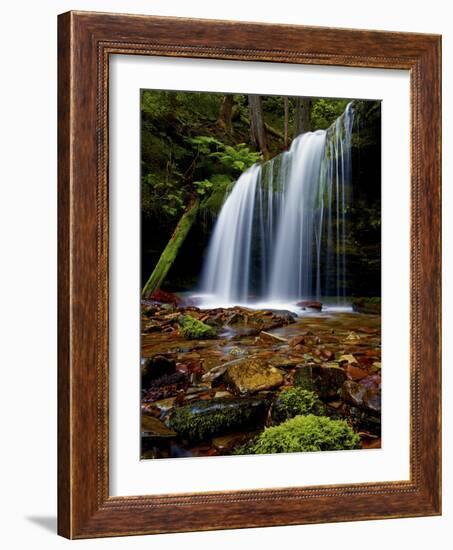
<point x="214" y="381"/>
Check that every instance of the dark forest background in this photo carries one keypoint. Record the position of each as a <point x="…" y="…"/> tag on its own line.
<point x="194" y="145"/>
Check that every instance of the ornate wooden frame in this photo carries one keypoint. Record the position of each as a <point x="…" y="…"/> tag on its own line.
<point x="85" y="41"/>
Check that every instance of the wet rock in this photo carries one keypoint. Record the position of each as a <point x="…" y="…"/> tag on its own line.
<point x="155" y="368"/>
<point x="225" y="443"/>
<point x="204" y="419"/>
<point x="362" y="419"/>
<point x="297" y="341"/>
<point x="152" y="327"/>
<point x="165" y="297"/>
<point x="216" y="372"/>
<point x="367" y="305"/>
<point x="348" y="359"/>
<point x="272" y="338"/>
<point x="251" y="375"/>
<point x="236" y="351"/>
<point x="362" y="397"/>
<point x="165" y="386"/>
<point x="372" y="401"/>
<point x="326" y="380"/>
<point x="372" y="382"/>
<point x="222" y="393"/>
<point x="353" y="393"/>
<point x="164" y="405"/>
<point x="370" y="442"/>
<point x="153" y="428"/>
<point x="355" y="373"/>
<point x="368" y="330"/>
<point x="198" y="390"/>
<point x="149" y="309"/>
<point x="286" y="362"/>
<point x="216" y="321"/>
<point x="283" y="316"/>
<point x="327" y="354"/>
<point x="310" y="304"/>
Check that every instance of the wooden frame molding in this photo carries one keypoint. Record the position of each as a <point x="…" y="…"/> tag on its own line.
<point x="85" y="41"/>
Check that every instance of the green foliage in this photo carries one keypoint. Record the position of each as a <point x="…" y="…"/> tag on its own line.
<point x="231" y="159"/>
<point x="183" y="107"/>
<point x="193" y="329"/>
<point x="219" y="186"/>
<point x="205" y="418"/>
<point x="204" y="144"/>
<point x="237" y="158"/>
<point x="295" y="401"/>
<point x="325" y="111"/>
<point x="304" y="434"/>
<point x="163" y="195"/>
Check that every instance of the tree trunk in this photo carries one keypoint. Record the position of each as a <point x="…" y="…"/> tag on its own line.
<point x="286" y="104"/>
<point x="226" y="114"/>
<point x="170" y="252"/>
<point x="302" y="116"/>
<point x="273" y="131"/>
<point x="257" y="126"/>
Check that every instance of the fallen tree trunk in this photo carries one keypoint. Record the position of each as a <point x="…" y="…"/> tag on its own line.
<point x="170" y="252"/>
<point x="274" y="132"/>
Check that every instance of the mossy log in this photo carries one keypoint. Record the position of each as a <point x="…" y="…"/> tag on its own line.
<point x="170" y="252"/>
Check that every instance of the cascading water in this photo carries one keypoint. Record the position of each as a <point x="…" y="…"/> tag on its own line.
<point x="227" y="272"/>
<point x="281" y="233"/>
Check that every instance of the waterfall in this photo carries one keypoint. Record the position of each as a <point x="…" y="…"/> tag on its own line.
<point x="281" y="232"/>
<point x="227" y="271"/>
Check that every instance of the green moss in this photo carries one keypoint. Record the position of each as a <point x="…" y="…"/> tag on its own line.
<point x="203" y="419"/>
<point x="213" y="201"/>
<point x="296" y="401"/>
<point x="367" y="305"/>
<point x="193" y="329"/>
<point x="304" y="434"/>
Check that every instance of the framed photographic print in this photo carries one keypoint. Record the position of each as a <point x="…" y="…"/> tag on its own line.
<point x="249" y="275"/>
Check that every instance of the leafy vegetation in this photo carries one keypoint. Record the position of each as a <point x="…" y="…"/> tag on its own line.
<point x="324" y="112"/>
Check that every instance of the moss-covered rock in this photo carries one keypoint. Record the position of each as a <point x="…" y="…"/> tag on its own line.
<point x="367" y="305"/>
<point x="204" y="419"/>
<point x="293" y="402"/>
<point x="193" y="329"/>
<point x="304" y="434"/>
<point x="326" y="380"/>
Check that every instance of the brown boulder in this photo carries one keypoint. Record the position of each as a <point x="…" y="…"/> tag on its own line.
<point x="251" y="375"/>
